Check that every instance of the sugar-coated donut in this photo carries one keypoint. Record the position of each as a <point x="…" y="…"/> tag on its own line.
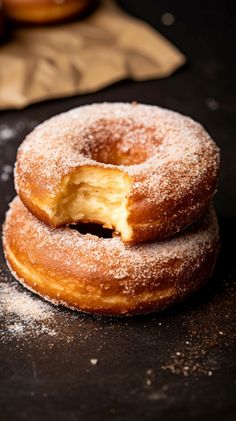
<point x="44" y="11"/>
<point x="142" y="170"/>
<point x="104" y="275"/>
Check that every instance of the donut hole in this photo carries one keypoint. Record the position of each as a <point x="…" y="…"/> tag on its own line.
<point x="120" y="154"/>
<point x="93" y="229"/>
<point x="95" y="195"/>
<point x="119" y="143"/>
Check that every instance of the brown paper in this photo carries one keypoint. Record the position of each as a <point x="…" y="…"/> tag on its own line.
<point x="82" y="57"/>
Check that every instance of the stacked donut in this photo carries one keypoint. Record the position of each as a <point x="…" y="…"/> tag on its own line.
<point x="145" y="173"/>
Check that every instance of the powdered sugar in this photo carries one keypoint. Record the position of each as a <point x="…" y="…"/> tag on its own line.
<point x="25" y="316"/>
<point x="22" y="305"/>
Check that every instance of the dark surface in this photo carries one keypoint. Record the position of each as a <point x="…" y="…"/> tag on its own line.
<point x="139" y="376"/>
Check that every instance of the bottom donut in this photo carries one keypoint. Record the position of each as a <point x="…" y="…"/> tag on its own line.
<point x="104" y="275"/>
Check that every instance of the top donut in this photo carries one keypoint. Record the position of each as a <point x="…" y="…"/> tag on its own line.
<point x="144" y="171"/>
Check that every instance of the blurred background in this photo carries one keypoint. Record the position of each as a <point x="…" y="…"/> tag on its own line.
<point x="60" y="54"/>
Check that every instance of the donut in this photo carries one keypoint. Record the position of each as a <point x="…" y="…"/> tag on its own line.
<point x="104" y="275"/>
<point x="143" y="171"/>
<point x="44" y="11"/>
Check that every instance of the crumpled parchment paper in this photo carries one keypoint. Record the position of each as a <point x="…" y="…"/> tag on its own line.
<point x="81" y="57"/>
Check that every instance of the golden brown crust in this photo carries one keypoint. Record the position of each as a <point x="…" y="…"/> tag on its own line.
<point x="44" y="11"/>
<point x="105" y="276"/>
<point x="169" y="190"/>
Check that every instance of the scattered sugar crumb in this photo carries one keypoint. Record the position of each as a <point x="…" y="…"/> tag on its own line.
<point x="7" y="168"/>
<point x="6" y="132"/>
<point x="212" y="104"/>
<point x="168" y="19"/>
<point x="9" y="131"/>
<point x="16" y="328"/>
<point x="94" y="361"/>
<point x="6" y="171"/>
<point x="158" y="395"/>
<point x="4" y="176"/>
<point x="205" y="337"/>
<point x="22" y="305"/>
<point x="25" y="316"/>
<point x="149" y="377"/>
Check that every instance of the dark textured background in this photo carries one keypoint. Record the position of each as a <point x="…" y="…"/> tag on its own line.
<point x="139" y="376"/>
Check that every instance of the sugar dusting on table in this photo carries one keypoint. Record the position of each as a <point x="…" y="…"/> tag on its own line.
<point x="208" y="333"/>
<point x="23" y="314"/>
<point x="8" y="132"/>
<point x="5" y="173"/>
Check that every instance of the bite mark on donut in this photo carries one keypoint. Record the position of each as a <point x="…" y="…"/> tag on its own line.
<point x="97" y="195"/>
